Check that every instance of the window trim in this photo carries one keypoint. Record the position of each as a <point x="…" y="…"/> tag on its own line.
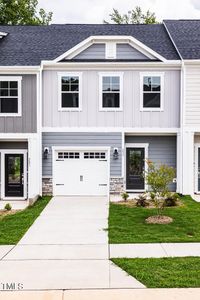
<point x="110" y="74"/>
<point x="75" y="109"/>
<point x="152" y="74"/>
<point x="19" y="81"/>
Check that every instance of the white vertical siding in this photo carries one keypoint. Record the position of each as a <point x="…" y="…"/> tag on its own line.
<point x="192" y="95"/>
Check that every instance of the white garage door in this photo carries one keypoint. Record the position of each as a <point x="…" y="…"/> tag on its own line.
<point x="81" y="173"/>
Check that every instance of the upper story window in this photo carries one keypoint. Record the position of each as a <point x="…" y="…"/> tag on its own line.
<point x="69" y="91"/>
<point x="10" y="96"/>
<point x="111" y="91"/>
<point x="152" y="91"/>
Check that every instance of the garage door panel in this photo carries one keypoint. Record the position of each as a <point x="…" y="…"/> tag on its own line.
<point x="85" y="173"/>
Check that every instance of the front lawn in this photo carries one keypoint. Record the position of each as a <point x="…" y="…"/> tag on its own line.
<point x="181" y="272"/>
<point x="127" y="224"/>
<point x="13" y="227"/>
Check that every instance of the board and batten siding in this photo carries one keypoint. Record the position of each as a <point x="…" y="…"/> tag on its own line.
<point x="113" y="140"/>
<point x="192" y="95"/>
<point x="161" y="150"/>
<point x="27" y="122"/>
<point x="125" y="51"/>
<point x="130" y="116"/>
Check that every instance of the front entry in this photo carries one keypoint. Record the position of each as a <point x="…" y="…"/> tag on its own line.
<point x="135" y="166"/>
<point x="14" y="173"/>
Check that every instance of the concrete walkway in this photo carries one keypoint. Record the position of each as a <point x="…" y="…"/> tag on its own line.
<point x="65" y="248"/>
<point x="112" y="294"/>
<point x="154" y="250"/>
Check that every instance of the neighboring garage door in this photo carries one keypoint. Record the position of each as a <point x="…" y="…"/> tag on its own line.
<point x="80" y="173"/>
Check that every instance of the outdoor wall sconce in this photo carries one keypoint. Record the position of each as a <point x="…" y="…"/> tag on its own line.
<point x="46" y="152"/>
<point x="115" y="153"/>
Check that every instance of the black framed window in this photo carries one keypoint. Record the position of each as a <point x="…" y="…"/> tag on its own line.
<point x="152" y="92"/>
<point x="70" y="92"/>
<point x="9" y="96"/>
<point x="111" y="92"/>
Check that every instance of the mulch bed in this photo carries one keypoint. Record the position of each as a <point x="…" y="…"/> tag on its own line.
<point x="159" y="220"/>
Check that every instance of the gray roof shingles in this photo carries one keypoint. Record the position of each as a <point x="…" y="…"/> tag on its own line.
<point x="186" y="36"/>
<point x="29" y="45"/>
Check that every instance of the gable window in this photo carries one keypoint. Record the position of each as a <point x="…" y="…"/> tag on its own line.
<point x="69" y="91"/>
<point x="152" y="92"/>
<point x="111" y="91"/>
<point x="10" y="96"/>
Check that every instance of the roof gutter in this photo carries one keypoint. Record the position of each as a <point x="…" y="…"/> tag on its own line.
<point x="19" y="69"/>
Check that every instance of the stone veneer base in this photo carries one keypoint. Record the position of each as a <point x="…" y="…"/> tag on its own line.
<point x="116" y="185"/>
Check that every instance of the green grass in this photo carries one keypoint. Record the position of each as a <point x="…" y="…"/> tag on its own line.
<point x="163" y="272"/>
<point x="127" y="224"/>
<point x="13" y="227"/>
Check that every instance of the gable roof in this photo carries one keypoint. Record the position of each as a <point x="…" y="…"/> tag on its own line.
<point x="186" y="36"/>
<point x="29" y="45"/>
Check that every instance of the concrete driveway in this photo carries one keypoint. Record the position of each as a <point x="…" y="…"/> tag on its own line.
<point x="66" y="248"/>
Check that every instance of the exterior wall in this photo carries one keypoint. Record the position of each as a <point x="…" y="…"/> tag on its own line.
<point x="125" y="51"/>
<point x="113" y="140"/>
<point x="192" y="95"/>
<point x="96" y="51"/>
<point x="27" y="123"/>
<point x="162" y="149"/>
<point x="131" y="116"/>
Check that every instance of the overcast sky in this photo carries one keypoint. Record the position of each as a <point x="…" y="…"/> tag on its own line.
<point x="94" y="11"/>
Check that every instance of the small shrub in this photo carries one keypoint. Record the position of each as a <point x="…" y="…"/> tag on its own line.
<point x="125" y="196"/>
<point x="152" y="196"/>
<point x="142" y="201"/>
<point x="171" y="199"/>
<point x="8" y="207"/>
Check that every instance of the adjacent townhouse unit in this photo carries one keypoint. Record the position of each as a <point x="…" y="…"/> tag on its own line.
<point x="186" y="36"/>
<point x="20" y="142"/>
<point x="84" y="106"/>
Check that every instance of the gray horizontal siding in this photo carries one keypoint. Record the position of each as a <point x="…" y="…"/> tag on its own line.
<point x="96" y="51"/>
<point x="112" y="140"/>
<point x="162" y="149"/>
<point x="125" y="51"/>
<point x="27" y="123"/>
<point x="13" y="145"/>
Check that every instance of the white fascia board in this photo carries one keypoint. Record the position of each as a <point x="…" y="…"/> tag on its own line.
<point x="131" y="130"/>
<point x="19" y="69"/>
<point x="90" y="40"/>
<point x="191" y="61"/>
<point x="18" y="136"/>
<point x="47" y="65"/>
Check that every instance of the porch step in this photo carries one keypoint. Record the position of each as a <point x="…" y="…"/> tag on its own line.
<point x="16" y="204"/>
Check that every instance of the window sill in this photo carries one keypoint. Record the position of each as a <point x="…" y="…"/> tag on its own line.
<point x="10" y="115"/>
<point x="70" y="109"/>
<point x="110" y="109"/>
<point x="151" y="110"/>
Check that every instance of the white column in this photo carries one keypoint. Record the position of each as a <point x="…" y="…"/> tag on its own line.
<point x="179" y="153"/>
<point x="188" y="163"/>
<point x="34" y="174"/>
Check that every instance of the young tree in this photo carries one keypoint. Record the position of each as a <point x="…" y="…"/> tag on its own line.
<point x="158" y="179"/>
<point x="23" y="12"/>
<point x="135" y="16"/>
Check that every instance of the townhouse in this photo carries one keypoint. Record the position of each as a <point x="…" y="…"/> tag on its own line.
<point x="83" y="106"/>
<point x="185" y="36"/>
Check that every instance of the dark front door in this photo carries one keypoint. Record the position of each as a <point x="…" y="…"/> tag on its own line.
<point x="135" y="168"/>
<point x="14" y="186"/>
